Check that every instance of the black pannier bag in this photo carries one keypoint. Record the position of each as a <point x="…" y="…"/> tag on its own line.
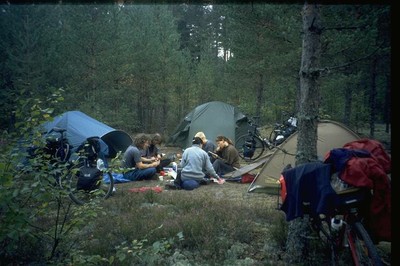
<point x="88" y="178"/>
<point x="249" y="147"/>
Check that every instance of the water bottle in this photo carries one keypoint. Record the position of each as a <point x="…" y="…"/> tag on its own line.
<point x="100" y="164"/>
<point x="175" y="167"/>
<point x="343" y="186"/>
<point x="336" y="224"/>
<point x="337" y="183"/>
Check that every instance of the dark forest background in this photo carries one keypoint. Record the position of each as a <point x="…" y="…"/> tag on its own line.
<point x="142" y="68"/>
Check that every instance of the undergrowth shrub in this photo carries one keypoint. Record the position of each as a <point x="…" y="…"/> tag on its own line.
<point x="186" y="228"/>
<point x="39" y="223"/>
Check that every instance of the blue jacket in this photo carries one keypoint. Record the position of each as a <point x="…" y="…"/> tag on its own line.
<point x="308" y="182"/>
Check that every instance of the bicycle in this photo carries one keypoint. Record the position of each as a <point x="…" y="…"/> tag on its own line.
<point x="252" y="145"/>
<point x="343" y="232"/>
<point x="58" y="151"/>
<point x="83" y="179"/>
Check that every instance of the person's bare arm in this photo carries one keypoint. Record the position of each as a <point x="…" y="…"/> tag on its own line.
<point x="148" y="160"/>
<point x="142" y="165"/>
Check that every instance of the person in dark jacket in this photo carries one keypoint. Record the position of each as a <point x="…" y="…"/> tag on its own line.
<point x="227" y="156"/>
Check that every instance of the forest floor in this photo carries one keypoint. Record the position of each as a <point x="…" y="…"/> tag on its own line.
<point x="236" y="191"/>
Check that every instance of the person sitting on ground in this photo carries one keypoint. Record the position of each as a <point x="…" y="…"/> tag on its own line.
<point x="195" y="167"/>
<point x="132" y="159"/>
<point x="152" y="153"/>
<point x="208" y="146"/>
<point x="227" y="156"/>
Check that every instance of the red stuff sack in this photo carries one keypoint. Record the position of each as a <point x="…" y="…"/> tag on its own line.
<point x="283" y="188"/>
<point x="247" y="178"/>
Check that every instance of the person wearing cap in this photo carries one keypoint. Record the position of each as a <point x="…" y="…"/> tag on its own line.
<point x="195" y="167"/>
<point x="208" y="146"/>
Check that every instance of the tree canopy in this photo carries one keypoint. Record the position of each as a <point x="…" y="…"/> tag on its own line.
<point x="141" y="68"/>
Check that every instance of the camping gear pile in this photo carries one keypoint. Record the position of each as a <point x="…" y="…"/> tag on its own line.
<point x="283" y="131"/>
<point x="361" y="165"/>
<point x="94" y="139"/>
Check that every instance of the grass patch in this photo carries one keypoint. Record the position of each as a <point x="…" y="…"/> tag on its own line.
<point x="154" y="229"/>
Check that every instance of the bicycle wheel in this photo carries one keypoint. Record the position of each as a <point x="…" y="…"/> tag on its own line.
<point x="250" y="147"/>
<point x="363" y="250"/>
<point x="330" y="240"/>
<point x="85" y="187"/>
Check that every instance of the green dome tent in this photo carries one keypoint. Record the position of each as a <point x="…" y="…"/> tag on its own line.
<point x="213" y="118"/>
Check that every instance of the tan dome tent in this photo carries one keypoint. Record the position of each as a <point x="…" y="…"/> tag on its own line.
<point x="331" y="135"/>
<point x="213" y="118"/>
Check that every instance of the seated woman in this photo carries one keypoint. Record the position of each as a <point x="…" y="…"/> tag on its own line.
<point x="227" y="156"/>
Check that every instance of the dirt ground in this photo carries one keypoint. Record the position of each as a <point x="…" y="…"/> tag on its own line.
<point x="234" y="191"/>
<point x="231" y="190"/>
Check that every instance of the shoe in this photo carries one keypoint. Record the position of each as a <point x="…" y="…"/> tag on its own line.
<point x="155" y="176"/>
<point x="172" y="186"/>
<point x="205" y="181"/>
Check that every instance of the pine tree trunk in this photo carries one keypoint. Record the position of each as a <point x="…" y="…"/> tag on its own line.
<point x="372" y="99"/>
<point x="307" y="121"/>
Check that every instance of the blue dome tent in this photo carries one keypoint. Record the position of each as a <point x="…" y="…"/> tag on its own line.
<point x="79" y="127"/>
